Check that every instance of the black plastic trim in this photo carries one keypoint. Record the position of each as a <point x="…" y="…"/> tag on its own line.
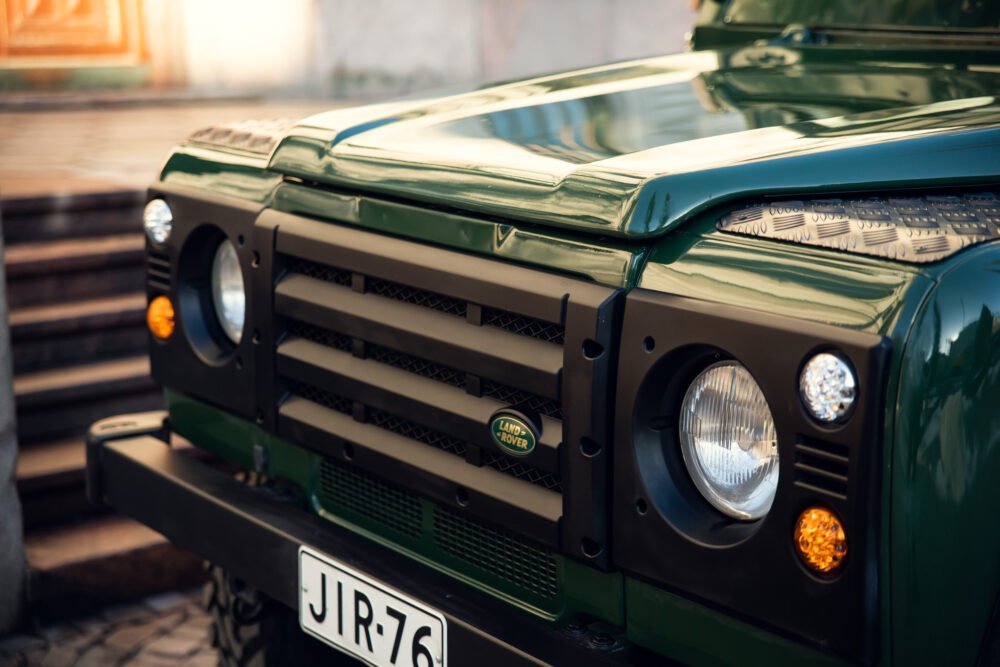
<point x="198" y="359"/>
<point x="683" y="544"/>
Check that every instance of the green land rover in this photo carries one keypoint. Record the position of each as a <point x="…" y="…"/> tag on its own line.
<point x="693" y="358"/>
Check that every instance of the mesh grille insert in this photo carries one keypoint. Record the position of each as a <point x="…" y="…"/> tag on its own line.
<point x="521" y="470"/>
<point x="417" y="432"/>
<point x="338" y="341"/>
<point x="323" y="272"/>
<point x="358" y="492"/>
<point x="512" y="396"/>
<point x="324" y="398"/>
<point x="496" y="552"/>
<point x="417" y="296"/>
<point x="524" y="326"/>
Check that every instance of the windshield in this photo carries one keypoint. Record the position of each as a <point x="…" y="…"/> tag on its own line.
<point x="898" y="14"/>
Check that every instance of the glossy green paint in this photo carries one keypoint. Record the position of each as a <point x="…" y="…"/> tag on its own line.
<point x="603" y="261"/>
<point x="946" y="462"/>
<point x="584" y="590"/>
<point x="232" y="173"/>
<point x="635" y="149"/>
<point x="696" y="635"/>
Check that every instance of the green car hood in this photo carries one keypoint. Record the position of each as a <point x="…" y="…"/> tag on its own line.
<point x="634" y="149"/>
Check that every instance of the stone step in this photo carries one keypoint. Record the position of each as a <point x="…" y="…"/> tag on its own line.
<point x="31" y="219"/>
<point x="63" y="402"/>
<point x="55" y="335"/>
<point x="101" y="560"/>
<point x="70" y="270"/>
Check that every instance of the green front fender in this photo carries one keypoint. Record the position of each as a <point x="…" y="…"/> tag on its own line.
<point x="945" y="466"/>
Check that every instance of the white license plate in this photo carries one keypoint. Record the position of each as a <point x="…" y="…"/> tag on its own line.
<point x="359" y="616"/>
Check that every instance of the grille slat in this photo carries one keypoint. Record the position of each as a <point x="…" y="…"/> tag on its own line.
<point x="429" y="369"/>
<point x="428" y="436"/>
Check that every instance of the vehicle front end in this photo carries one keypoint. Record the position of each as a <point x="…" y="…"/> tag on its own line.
<point x="690" y="358"/>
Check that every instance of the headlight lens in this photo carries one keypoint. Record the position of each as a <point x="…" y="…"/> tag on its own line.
<point x="828" y="387"/>
<point x="728" y="441"/>
<point x="158" y="220"/>
<point x="228" y="295"/>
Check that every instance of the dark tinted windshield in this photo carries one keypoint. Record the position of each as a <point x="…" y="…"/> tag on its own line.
<point x="948" y="14"/>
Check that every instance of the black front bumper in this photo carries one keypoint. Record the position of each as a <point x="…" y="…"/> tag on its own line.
<point x="256" y="535"/>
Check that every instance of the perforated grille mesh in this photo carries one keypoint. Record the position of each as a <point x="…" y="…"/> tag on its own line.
<point x="415" y="431"/>
<point x="324" y="398"/>
<point x="521" y="470"/>
<point x="518" y="397"/>
<point x="416" y="296"/>
<point x="524" y="326"/>
<point x="416" y="365"/>
<point x="342" y="486"/>
<point x="322" y="336"/>
<point x="323" y="272"/>
<point x="496" y="552"/>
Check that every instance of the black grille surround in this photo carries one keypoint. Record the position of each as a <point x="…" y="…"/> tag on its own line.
<point x="392" y="357"/>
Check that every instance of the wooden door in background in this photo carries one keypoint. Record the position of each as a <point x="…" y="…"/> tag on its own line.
<point x="71" y="33"/>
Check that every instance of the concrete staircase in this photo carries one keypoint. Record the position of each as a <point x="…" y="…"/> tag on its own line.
<point x="75" y="281"/>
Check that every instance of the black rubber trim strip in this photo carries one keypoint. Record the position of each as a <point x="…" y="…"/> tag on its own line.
<point x="435" y="405"/>
<point x="256" y="536"/>
<point x="489" y="494"/>
<point x="517" y="361"/>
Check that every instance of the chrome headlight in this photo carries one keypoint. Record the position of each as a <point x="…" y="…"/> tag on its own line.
<point x="728" y="441"/>
<point x="228" y="293"/>
<point x="158" y="220"/>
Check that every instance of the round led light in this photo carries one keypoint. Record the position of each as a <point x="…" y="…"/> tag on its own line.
<point x="828" y="387"/>
<point x="158" y="220"/>
<point x="228" y="295"/>
<point x="728" y="441"/>
<point x="820" y="540"/>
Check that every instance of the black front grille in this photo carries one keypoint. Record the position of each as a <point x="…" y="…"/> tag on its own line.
<point x="412" y="347"/>
<point x="341" y="486"/>
<point x="497" y="553"/>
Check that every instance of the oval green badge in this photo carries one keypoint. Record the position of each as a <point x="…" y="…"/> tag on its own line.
<point x="513" y="434"/>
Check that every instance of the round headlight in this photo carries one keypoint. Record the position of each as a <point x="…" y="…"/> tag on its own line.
<point x="828" y="387"/>
<point x="158" y="220"/>
<point x="228" y="295"/>
<point x="728" y="441"/>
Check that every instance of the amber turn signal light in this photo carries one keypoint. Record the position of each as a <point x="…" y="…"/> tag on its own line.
<point x="820" y="540"/>
<point x="160" y="317"/>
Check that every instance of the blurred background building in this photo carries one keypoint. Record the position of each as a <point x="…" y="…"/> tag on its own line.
<point x="347" y="48"/>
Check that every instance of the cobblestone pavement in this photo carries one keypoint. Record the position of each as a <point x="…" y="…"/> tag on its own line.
<point x="167" y="630"/>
